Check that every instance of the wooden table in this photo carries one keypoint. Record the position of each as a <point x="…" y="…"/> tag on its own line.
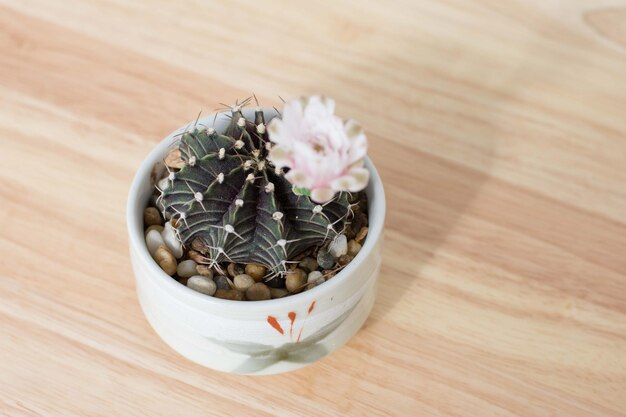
<point x="499" y="128"/>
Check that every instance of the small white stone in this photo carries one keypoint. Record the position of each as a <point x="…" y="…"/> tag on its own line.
<point x="315" y="277"/>
<point x="153" y="241"/>
<point x="243" y="281"/>
<point x="339" y="246"/>
<point x="186" y="269"/>
<point x="171" y="240"/>
<point x="202" y="284"/>
<point x="163" y="183"/>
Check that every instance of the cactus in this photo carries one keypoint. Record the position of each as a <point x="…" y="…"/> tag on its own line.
<point x="232" y="205"/>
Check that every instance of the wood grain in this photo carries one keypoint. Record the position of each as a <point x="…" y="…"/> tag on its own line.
<point x="499" y="129"/>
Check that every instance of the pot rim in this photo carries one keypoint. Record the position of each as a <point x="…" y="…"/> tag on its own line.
<point x="134" y="221"/>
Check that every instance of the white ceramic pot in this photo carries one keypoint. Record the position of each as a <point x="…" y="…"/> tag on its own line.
<point x="261" y="337"/>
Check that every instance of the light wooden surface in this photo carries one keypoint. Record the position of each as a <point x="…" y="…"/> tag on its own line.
<point x="499" y="128"/>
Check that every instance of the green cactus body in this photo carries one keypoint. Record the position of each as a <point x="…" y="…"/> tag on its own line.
<point x="232" y="205"/>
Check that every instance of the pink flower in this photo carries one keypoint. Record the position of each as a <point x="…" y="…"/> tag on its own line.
<point x="323" y="154"/>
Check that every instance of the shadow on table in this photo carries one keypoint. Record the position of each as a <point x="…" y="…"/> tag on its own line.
<point x="432" y="138"/>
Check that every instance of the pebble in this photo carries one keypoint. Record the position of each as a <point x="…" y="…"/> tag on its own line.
<point x="229" y="295"/>
<point x="315" y="278"/>
<point x="234" y="270"/>
<point x="353" y="247"/>
<point x="171" y="240"/>
<point x="187" y="269"/>
<point x="153" y="241"/>
<point x="324" y="259"/>
<point x="157" y="227"/>
<point x="258" y="292"/>
<point x="256" y="271"/>
<point x="165" y="259"/>
<point x="339" y="246"/>
<point x="196" y="256"/>
<point x="205" y="271"/>
<point x="222" y="282"/>
<point x="344" y="260"/>
<point x="202" y="284"/>
<point x="242" y="282"/>
<point x="174" y="159"/>
<point x="158" y="171"/>
<point x="361" y="235"/>
<point x="295" y="280"/>
<point x="278" y="292"/>
<point x="308" y="264"/>
<point x="198" y="245"/>
<point x="151" y="217"/>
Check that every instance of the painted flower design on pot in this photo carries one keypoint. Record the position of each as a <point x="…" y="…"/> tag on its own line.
<point x="300" y="349"/>
<point x="323" y="153"/>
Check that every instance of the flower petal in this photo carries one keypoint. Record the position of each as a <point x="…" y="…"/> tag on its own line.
<point x="322" y="195"/>
<point x="356" y="180"/>
<point x="275" y="130"/>
<point x="280" y="156"/>
<point x="328" y="103"/>
<point x="318" y="108"/>
<point x="322" y="152"/>
<point x="358" y="140"/>
<point x="358" y="164"/>
<point x="353" y="129"/>
<point x="298" y="178"/>
<point x="361" y="177"/>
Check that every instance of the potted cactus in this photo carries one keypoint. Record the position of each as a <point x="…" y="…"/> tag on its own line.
<point x="265" y="206"/>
